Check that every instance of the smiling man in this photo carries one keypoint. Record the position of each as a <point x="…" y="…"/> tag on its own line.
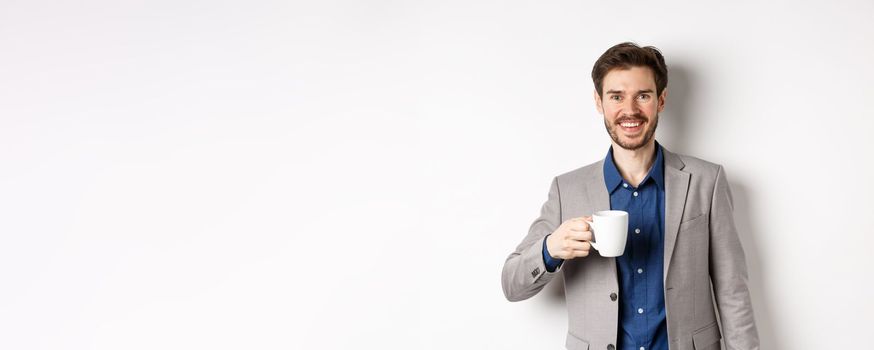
<point x="682" y="253"/>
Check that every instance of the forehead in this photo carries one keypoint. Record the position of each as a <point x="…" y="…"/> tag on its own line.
<point x="632" y="79"/>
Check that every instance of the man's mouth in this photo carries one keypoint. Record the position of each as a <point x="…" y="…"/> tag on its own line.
<point x="631" y="126"/>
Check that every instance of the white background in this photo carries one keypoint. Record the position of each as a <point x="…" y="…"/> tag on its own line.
<point x="352" y="174"/>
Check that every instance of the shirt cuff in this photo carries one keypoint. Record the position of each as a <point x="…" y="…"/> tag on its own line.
<point x="550" y="262"/>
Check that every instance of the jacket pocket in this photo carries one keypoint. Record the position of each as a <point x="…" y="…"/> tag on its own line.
<point x="706" y="336"/>
<point x="694" y="222"/>
<point x="574" y="343"/>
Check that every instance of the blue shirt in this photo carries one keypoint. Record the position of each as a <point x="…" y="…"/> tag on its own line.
<point x="642" y="322"/>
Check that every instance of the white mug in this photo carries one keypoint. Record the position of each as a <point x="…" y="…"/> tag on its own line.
<point x="610" y="230"/>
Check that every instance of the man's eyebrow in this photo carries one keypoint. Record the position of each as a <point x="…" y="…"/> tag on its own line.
<point x="621" y="91"/>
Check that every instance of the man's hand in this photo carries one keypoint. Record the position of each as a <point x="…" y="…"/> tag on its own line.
<point x="571" y="239"/>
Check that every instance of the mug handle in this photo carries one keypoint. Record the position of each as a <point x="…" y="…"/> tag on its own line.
<point x="592" y="228"/>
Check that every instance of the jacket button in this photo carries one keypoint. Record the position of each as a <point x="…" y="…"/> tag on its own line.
<point x="611" y="347"/>
<point x="613" y="296"/>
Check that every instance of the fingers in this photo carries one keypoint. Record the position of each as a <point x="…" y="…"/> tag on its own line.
<point x="578" y="224"/>
<point x="574" y="249"/>
<point x="580" y="235"/>
<point x="583" y="252"/>
<point x="578" y="245"/>
<point x="574" y="238"/>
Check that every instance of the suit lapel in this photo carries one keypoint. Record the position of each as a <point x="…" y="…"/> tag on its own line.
<point x="676" y="187"/>
<point x="596" y="189"/>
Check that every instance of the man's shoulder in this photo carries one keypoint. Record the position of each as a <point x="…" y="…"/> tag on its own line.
<point x="579" y="175"/>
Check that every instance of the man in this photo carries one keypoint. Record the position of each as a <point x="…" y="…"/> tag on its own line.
<point x="681" y="233"/>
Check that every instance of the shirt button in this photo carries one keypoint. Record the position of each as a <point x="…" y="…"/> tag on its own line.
<point x="625" y="185"/>
<point x="611" y="347"/>
<point x="639" y="270"/>
<point x="642" y="348"/>
<point x="635" y="193"/>
<point x="637" y="230"/>
<point x="640" y="310"/>
<point x="613" y="296"/>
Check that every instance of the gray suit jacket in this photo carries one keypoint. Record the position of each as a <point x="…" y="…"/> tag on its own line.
<point x="701" y="247"/>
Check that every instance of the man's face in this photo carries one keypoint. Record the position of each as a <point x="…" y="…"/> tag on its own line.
<point x="630" y="106"/>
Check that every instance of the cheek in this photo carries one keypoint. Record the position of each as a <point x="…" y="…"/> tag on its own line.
<point x="611" y="110"/>
<point x="650" y="109"/>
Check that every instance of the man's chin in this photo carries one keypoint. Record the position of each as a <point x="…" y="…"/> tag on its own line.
<point x="632" y="145"/>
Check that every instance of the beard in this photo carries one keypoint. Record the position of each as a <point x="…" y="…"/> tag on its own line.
<point x="648" y="134"/>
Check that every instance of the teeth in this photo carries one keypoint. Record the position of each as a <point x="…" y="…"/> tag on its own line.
<point x="630" y="125"/>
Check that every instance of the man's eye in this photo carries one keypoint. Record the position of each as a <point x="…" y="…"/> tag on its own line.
<point x="615" y="97"/>
<point x="644" y="97"/>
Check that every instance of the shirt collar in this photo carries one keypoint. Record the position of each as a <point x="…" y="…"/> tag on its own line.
<point x="613" y="179"/>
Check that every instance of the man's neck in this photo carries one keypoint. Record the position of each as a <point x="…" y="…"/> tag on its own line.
<point x="633" y="165"/>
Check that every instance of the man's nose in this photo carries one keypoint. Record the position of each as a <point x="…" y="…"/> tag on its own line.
<point x="630" y="107"/>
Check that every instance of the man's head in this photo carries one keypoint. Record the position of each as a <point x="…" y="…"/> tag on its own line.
<point x="630" y="84"/>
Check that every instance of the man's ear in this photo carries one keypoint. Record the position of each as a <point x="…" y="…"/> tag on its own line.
<point x="662" y="99"/>
<point x="598" y="102"/>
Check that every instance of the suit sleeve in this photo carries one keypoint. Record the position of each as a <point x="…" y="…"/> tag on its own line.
<point x="728" y="272"/>
<point x="525" y="273"/>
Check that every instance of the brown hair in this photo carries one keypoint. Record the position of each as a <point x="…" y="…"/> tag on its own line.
<point x="627" y="55"/>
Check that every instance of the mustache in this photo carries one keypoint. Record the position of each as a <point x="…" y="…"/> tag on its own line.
<point x="632" y="119"/>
